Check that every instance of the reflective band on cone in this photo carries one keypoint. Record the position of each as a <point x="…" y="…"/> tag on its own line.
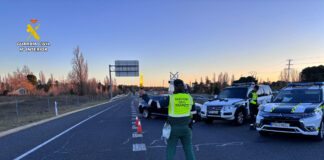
<point x="139" y="127"/>
<point x="137" y="120"/>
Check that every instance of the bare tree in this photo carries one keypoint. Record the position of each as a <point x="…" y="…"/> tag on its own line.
<point x="52" y="80"/>
<point x="283" y="75"/>
<point x="225" y="78"/>
<point x="18" y="79"/>
<point x="25" y="71"/>
<point x="220" y="78"/>
<point x="260" y="80"/>
<point x="42" y="77"/>
<point x="6" y="85"/>
<point x="207" y="81"/>
<point x="79" y="73"/>
<point x="92" y="86"/>
<point x="295" y="75"/>
<point x="233" y="78"/>
<point x="106" y="83"/>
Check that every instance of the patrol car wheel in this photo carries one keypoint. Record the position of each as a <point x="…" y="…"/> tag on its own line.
<point x="146" y="114"/>
<point x="239" y="117"/>
<point x="320" y="135"/>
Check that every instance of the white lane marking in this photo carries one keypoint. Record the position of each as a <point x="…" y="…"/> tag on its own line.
<point x="218" y="144"/>
<point x="137" y="135"/>
<point x="139" y="147"/>
<point x="136" y="147"/>
<point x="126" y="141"/>
<point x="67" y="130"/>
<point x="154" y="141"/>
<point x="205" y="144"/>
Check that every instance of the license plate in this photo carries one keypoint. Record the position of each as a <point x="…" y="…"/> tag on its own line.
<point x="280" y="124"/>
<point x="213" y="112"/>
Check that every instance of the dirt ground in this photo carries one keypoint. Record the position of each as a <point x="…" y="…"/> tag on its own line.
<point x="19" y="110"/>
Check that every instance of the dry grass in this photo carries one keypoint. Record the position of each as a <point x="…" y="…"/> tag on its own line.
<point x="32" y="109"/>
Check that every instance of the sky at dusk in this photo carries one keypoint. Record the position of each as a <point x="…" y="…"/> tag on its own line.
<point x="193" y="37"/>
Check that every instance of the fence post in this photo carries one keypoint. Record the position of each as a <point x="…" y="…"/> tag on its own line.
<point x="17" y="108"/>
<point x="56" y="113"/>
<point x="48" y="105"/>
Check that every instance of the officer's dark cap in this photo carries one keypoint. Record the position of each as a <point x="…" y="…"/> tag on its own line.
<point x="256" y="87"/>
<point x="178" y="82"/>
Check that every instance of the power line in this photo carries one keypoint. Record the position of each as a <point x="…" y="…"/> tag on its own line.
<point x="303" y="58"/>
<point x="311" y="63"/>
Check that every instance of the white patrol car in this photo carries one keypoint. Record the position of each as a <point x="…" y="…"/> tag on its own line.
<point x="297" y="108"/>
<point x="233" y="103"/>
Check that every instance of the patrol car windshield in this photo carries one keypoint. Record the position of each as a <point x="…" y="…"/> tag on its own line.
<point x="233" y="93"/>
<point x="299" y="96"/>
<point x="159" y="98"/>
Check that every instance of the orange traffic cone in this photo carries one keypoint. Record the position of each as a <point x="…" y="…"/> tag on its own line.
<point x="137" y="120"/>
<point x="139" y="127"/>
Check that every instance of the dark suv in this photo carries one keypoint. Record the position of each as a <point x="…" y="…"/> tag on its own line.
<point x="147" y="111"/>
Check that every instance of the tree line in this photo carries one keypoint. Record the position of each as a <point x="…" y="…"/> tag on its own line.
<point x="77" y="82"/>
<point x="308" y="74"/>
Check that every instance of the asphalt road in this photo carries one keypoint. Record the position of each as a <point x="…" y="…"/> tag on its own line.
<point x="106" y="132"/>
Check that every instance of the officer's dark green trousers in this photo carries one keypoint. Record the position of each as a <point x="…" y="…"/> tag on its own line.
<point x="185" y="135"/>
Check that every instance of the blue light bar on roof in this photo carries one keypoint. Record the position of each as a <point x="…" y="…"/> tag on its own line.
<point x="319" y="83"/>
<point x="243" y="84"/>
<point x="306" y="84"/>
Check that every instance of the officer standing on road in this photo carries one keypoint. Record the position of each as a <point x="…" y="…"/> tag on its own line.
<point x="180" y="107"/>
<point x="253" y="95"/>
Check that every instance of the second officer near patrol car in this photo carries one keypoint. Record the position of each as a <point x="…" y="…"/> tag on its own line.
<point x="180" y="108"/>
<point x="253" y="95"/>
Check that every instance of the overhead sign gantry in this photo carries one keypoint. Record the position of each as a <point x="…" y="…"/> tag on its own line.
<point x="124" y="68"/>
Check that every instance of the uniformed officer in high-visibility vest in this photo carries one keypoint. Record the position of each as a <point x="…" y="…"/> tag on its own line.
<point x="180" y="110"/>
<point x="253" y="95"/>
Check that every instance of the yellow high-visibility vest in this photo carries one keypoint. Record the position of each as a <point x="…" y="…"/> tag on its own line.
<point x="254" y="98"/>
<point x="180" y="105"/>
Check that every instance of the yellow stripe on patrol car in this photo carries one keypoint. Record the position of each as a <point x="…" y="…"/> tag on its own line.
<point x="319" y="108"/>
<point x="293" y="110"/>
<point x="273" y="108"/>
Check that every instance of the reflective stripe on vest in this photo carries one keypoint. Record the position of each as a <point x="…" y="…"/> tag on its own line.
<point x="254" y="98"/>
<point x="180" y="105"/>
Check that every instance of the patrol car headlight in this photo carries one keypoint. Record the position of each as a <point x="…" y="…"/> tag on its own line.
<point x="228" y="108"/>
<point x="261" y="108"/>
<point x="311" y="114"/>
<point x="261" y="113"/>
<point x="204" y="107"/>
